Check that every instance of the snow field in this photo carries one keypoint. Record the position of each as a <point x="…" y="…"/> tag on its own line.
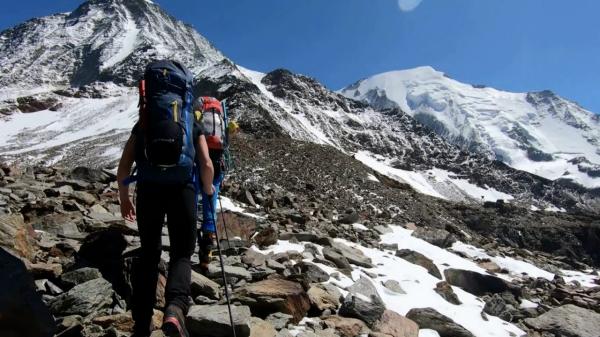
<point x="435" y="182"/>
<point x="419" y="284"/>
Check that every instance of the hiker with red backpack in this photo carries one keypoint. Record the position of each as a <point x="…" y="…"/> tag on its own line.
<point x="171" y="154"/>
<point x="210" y="113"/>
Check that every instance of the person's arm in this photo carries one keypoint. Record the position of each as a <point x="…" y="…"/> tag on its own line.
<point x="124" y="170"/>
<point x="207" y="171"/>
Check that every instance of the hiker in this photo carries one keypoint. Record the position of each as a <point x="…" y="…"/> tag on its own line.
<point x="211" y="114"/>
<point x="168" y="148"/>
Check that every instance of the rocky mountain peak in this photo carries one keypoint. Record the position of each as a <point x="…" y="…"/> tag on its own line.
<point x="99" y="41"/>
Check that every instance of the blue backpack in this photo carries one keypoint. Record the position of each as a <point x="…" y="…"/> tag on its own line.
<point x="165" y="153"/>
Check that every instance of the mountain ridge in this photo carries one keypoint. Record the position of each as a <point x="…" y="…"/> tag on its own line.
<point x="525" y="130"/>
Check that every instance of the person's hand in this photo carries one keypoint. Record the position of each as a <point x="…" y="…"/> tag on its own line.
<point x="210" y="191"/>
<point x="127" y="209"/>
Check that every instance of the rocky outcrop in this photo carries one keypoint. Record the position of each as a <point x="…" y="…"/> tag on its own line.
<point x="567" y="320"/>
<point x="213" y="321"/>
<point x="22" y="312"/>
<point x="421" y="260"/>
<point x="270" y="296"/>
<point x="428" y="318"/>
<point x="477" y="283"/>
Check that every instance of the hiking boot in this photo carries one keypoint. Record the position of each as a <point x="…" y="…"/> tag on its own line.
<point x="207" y="244"/>
<point x="174" y="322"/>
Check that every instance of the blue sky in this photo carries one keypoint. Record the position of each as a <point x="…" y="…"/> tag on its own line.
<point x="516" y="45"/>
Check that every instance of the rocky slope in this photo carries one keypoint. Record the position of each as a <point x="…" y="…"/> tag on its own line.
<point x="314" y="242"/>
<point x="58" y="123"/>
<point x="539" y="132"/>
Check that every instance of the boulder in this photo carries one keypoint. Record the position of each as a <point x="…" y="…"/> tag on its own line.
<point x="202" y="285"/>
<point x="84" y="299"/>
<point x="266" y="237"/>
<point x="213" y="320"/>
<point x="428" y="318"/>
<point x="420" y="260"/>
<point x="496" y="305"/>
<point x="353" y="255"/>
<point x="279" y="320"/>
<point x="394" y="286"/>
<point x="396" y="325"/>
<point x="444" y="289"/>
<point x="16" y="236"/>
<point x="84" y="198"/>
<point x="567" y="320"/>
<point x="350" y="216"/>
<point x="313" y="273"/>
<point x="232" y="273"/>
<point x="103" y="250"/>
<point x="275" y="295"/>
<point x="121" y="321"/>
<point x="347" y="327"/>
<point x="438" y="237"/>
<point x="92" y="175"/>
<point x="476" y="283"/>
<point x="43" y="270"/>
<point x="334" y="255"/>
<point x="324" y="296"/>
<point x="254" y="258"/>
<point x="79" y="276"/>
<point x="22" y="312"/>
<point x="363" y="302"/>
<point x="260" y="328"/>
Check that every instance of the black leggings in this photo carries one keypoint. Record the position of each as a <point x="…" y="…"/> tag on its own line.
<point x="178" y="203"/>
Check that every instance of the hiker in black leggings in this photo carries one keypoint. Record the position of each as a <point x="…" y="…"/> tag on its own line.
<point x="154" y="201"/>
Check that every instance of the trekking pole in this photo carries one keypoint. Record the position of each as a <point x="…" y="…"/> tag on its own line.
<point x="223" y="269"/>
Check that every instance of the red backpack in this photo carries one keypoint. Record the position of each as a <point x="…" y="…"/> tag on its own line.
<point x="209" y="113"/>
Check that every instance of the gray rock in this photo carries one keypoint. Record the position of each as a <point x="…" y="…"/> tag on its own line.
<point x="382" y="229"/>
<point x="275" y="295"/>
<point x="313" y="273"/>
<point x="435" y="236"/>
<point x="266" y="237"/>
<point x="79" y="276"/>
<point x="420" y="260"/>
<point x="497" y="306"/>
<point x="19" y="303"/>
<point x="202" y="285"/>
<point x="567" y="320"/>
<point x="335" y="255"/>
<point x="324" y="296"/>
<point x="394" y="286"/>
<point x="84" y="197"/>
<point x="214" y="272"/>
<point x="275" y="265"/>
<point x="363" y="302"/>
<point x="84" y="299"/>
<point x="302" y="237"/>
<point x="476" y="283"/>
<point x="254" y="258"/>
<point x="279" y="320"/>
<point x="444" y="289"/>
<point x="203" y="300"/>
<point x="349" y="217"/>
<point x="353" y="255"/>
<point x="261" y="328"/>
<point x="213" y="320"/>
<point x="428" y="318"/>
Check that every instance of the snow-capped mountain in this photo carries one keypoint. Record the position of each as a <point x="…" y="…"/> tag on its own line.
<point x="538" y="132"/>
<point x="107" y="40"/>
<point x="55" y="115"/>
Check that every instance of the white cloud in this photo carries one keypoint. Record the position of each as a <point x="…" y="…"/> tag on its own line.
<point x="408" y="5"/>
